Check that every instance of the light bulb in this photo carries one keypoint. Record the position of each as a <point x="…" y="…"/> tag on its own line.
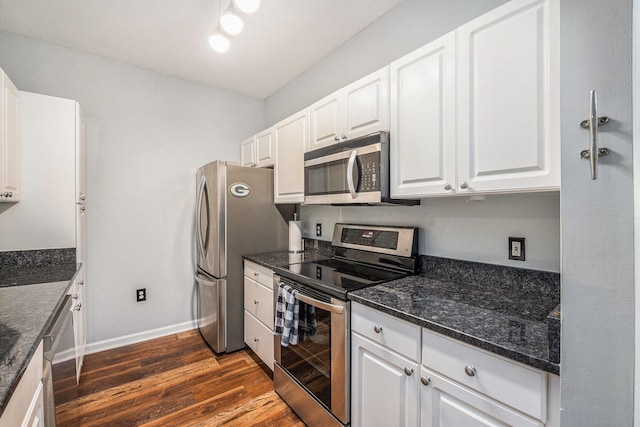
<point x="247" y="6"/>
<point x="219" y="42"/>
<point x="231" y="23"/>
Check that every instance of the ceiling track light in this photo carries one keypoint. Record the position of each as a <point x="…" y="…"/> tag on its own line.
<point x="230" y="22"/>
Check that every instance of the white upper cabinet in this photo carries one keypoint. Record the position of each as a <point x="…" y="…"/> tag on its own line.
<point x="80" y="162"/>
<point x="358" y="109"/>
<point x="290" y="136"/>
<point x="9" y="140"/>
<point x="257" y="151"/>
<point x="509" y="98"/>
<point x="248" y="152"/>
<point x="477" y="110"/>
<point x="423" y="144"/>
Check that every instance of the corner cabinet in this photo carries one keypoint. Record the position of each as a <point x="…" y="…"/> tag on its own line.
<point x="259" y="311"/>
<point x="257" y="151"/>
<point x="402" y="374"/>
<point x="290" y="136"/>
<point x="476" y="111"/>
<point x="9" y="140"/>
<point x="358" y="109"/>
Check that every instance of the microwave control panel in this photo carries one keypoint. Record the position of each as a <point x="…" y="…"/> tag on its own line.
<point x="369" y="173"/>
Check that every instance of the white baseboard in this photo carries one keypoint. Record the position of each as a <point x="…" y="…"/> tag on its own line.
<point x="139" y="337"/>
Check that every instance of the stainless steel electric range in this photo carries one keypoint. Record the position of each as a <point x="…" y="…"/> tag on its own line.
<point x="313" y="377"/>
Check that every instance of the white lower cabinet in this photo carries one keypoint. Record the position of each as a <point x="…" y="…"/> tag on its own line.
<point x="259" y="311"/>
<point x="385" y="388"/>
<point x="26" y="406"/>
<point x="453" y="385"/>
<point x="79" y="313"/>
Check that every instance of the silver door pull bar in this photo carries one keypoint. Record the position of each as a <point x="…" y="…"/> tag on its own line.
<point x="320" y="304"/>
<point x="592" y="123"/>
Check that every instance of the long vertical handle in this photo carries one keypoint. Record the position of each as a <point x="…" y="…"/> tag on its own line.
<point x="593" y="134"/>
<point x="350" y="166"/>
<point x="203" y="183"/>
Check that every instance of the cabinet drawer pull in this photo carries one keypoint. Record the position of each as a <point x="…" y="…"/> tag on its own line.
<point x="425" y="380"/>
<point x="255" y="301"/>
<point x="470" y="370"/>
<point x="256" y="339"/>
<point x="377" y="329"/>
<point x="447" y="186"/>
<point x="408" y="371"/>
<point x="464" y="185"/>
<point x="256" y="274"/>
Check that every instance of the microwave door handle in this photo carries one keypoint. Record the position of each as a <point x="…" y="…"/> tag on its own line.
<point x="350" y="167"/>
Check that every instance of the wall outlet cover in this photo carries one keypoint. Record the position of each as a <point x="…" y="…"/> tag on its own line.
<point x="516" y="248"/>
<point x="141" y="294"/>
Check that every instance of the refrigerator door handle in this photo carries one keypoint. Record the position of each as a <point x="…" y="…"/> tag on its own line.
<point x="201" y="248"/>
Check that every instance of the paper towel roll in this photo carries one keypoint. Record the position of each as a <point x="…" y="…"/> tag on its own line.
<point x="295" y="237"/>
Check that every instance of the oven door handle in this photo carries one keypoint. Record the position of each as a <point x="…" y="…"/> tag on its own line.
<point x="350" y="167"/>
<point x="319" y="304"/>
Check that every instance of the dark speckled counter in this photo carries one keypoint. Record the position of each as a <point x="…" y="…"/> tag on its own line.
<point x="500" y="309"/>
<point x="284" y="258"/>
<point x="32" y="288"/>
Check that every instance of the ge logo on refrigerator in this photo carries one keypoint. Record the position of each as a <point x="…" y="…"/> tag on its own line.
<point x="239" y="189"/>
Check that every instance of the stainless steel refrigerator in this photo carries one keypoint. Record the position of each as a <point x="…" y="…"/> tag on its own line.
<point x="235" y="215"/>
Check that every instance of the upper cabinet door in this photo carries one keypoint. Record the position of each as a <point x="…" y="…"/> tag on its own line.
<point x="80" y="157"/>
<point x="290" y="137"/>
<point x="264" y="148"/>
<point x="508" y="134"/>
<point x="9" y="141"/>
<point x="355" y="110"/>
<point x="423" y="145"/>
<point x="248" y="152"/>
<point x="326" y="124"/>
<point x="366" y="105"/>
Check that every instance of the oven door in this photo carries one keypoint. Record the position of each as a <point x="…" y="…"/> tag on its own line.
<point x="351" y="176"/>
<point x="318" y="365"/>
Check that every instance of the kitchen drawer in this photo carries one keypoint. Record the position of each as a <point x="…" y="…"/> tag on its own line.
<point x="396" y="334"/>
<point x="259" y="273"/>
<point x="513" y="384"/>
<point x="258" y="300"/>
<point x="259" y="338"/>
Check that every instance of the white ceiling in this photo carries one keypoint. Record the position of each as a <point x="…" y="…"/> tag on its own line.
<point x="280" y="41"/>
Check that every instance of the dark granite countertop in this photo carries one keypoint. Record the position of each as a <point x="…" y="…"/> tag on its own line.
<point x="284" y="258"/>
<point x="505" y="313"/>
<point x="30" y="294"/>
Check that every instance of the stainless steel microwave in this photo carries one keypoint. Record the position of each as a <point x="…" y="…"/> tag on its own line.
<point x="355" y="171"/>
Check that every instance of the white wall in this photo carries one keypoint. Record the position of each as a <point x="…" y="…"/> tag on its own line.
<point x="455" y="227"/>
<point x="146" y="134"/>
<point x="403" y="29"/>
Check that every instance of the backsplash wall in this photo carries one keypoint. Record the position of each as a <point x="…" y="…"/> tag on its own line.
<point x="458" y="228"/>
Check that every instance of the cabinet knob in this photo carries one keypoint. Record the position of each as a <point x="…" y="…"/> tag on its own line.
<point x="256" y="274"/>
<point x="408" y="371"/>
<point x="81" y="282"/>
<point x="7" y="194"/>
<point x="75" y="296"/>
<point x="344" y="136"/>
<point x="447" y="186"/>
<point x="470" y="370"/>
<point x="256" y="339"/>
<point x="377" y="329"/>
<point x="82" y="209"/>
<point x="335" y="138"/>
<point x="464" y="185"/>
<point x="255" y="301"/>
<point x="78" y="306"/>
<point x="425" y="380"/>
<point x="82" y="198"/>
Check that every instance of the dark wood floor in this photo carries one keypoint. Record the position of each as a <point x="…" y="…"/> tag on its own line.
<point x="175" y="381"/>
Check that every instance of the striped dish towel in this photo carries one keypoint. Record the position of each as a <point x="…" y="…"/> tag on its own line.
<point x="287" y="315"/>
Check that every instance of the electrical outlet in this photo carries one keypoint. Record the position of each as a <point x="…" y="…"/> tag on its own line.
<point x="516" y="248"/>
<point x="141" y="294"/>
<point x="318" y="229"/>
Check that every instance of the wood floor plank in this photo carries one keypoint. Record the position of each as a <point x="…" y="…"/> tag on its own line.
<point x="175" y="381"/>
